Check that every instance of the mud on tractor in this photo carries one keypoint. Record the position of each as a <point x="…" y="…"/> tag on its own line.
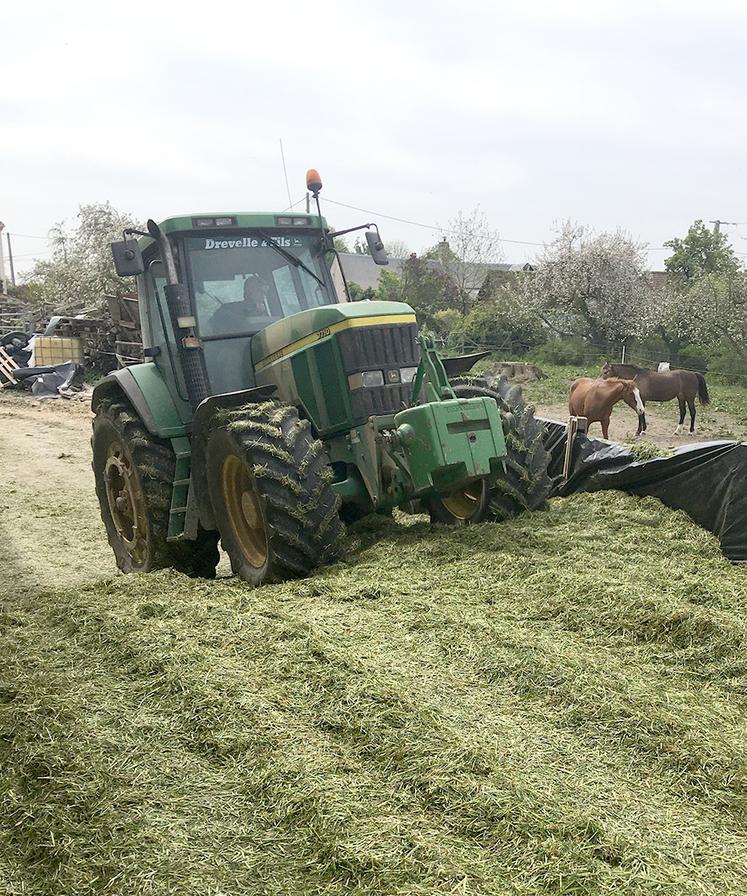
<point x="271" y="410"/>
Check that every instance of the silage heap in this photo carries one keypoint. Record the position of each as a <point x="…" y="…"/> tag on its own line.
<point x="552" y="705"/>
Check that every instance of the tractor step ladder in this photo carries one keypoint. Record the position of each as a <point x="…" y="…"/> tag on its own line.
<point x="7" y="367"/>
<point x="180" y="493"/>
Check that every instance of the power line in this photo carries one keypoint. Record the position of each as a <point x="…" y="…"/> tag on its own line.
<point x="293" y="205"/>
<point x="369" y="211"/>
<point x="435" y="227"/>
<point x="30" y="236"/>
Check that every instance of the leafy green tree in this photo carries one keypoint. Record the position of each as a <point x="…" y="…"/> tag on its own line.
<point x="358" y="293"/>
<point x="445" y="322"/>
<point x="389" y="287"/>
<point x="422" y="284"/>
<point x="498" y="321"/>
<point x="701" y="251"/>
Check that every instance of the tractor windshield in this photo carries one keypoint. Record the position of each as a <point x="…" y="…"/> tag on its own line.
<point x="243" y="282"/>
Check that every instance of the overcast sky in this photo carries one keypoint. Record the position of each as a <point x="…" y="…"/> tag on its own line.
<point x="630" y="115"/>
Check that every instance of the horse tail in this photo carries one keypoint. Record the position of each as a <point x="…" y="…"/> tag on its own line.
<point x="702" y="389"/>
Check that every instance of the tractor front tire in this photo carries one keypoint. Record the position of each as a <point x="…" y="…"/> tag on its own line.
<point x="134" y="475"/>
<point x="269" y="483"/>
<point x="526" y="484"/>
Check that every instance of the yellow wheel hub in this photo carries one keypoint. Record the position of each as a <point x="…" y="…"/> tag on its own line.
<point x="244" y="510"/>
<point x="126" y="502"/>
<point x="465" y="503"/>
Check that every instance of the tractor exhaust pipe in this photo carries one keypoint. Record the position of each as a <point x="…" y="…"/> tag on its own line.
<point x="184" y="323"/>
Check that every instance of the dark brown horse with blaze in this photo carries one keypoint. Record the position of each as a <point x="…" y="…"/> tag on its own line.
<point x="683" y="385"/>
<point x="594" y="399"/>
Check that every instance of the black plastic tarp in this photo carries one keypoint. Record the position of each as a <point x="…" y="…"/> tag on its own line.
<point x="52" y="382"/>
<point x="708" y="481"/>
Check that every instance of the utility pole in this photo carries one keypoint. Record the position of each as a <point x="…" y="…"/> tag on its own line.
<point x="10" y="259"/>
<point x="2" y="262"/>
<point x="717" y="224"/>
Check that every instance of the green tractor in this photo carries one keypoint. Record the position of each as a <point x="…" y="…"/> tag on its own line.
<point x="271" y="410"/>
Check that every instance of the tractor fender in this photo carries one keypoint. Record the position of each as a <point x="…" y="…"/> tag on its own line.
<point x="202" y="424"/>
<point x="144" y="387"/>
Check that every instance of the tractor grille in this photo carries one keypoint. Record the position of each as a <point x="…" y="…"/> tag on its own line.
<point x="387" y="347"/>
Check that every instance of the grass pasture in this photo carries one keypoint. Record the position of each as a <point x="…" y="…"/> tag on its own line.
<point x="553" y="705"/>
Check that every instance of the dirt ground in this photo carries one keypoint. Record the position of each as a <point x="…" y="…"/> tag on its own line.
<point x="662" y="421"/>
<point x="50" y="529"/>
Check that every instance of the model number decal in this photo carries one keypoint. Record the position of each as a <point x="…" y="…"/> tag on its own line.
<point x="322" y="333"/>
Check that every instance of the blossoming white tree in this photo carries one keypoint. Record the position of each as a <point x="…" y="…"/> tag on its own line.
<point x="592" y="285"/>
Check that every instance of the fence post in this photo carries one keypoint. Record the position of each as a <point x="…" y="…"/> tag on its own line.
<point x="575" y="425"/>
<point x="622" y="359"/>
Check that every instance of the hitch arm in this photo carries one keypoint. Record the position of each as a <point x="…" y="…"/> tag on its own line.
<point x="431" y="368"/>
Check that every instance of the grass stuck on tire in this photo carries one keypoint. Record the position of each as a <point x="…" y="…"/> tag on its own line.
<point x="270" y="486"/>
<point x="134" y="474"/>
<point x="495" y="709"/>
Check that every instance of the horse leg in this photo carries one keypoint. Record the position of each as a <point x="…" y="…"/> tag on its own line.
<point x="605" y="421"/>
<point x="681" y="401"/>
<point x="691" y="408"/>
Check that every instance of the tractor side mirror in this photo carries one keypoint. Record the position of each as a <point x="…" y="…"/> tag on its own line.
<point x="128" y="259"/>
<point x="376" y="247"/>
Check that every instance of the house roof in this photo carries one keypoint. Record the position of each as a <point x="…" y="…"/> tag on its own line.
<point x="362" y="269"/>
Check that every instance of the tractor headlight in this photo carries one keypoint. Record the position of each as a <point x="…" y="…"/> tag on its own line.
<point x="408" y="374"/>
<point x="366" y="379"/>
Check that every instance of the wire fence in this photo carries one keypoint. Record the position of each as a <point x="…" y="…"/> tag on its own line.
<point x="592" y="354"/>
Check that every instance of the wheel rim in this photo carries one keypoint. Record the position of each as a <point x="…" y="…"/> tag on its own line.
<point x="244" y="511"/>
<point x="466" y="502"/>
<point x="126" y="502"/>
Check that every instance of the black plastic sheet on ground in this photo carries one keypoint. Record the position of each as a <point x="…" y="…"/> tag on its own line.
<point x="708" y="481"/>
<point x="51" y="382"/>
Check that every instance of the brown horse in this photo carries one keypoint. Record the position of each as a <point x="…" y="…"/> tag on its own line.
<point x="683" y="385"/>
<point x="594" y="399"/>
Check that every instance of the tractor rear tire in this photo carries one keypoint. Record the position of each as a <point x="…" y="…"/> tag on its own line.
<point x="134" y="475"/>
<point x="269" y="483"/>
<point x="526" y="484"/>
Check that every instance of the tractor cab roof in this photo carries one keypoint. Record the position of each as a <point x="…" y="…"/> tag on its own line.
<point x="232" y="221"/>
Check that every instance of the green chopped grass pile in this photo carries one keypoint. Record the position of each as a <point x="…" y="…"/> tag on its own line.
<point x="646" y="450"/>
<point x="552" y="705"/>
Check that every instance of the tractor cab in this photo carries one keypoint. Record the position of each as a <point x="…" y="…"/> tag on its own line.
<point x="243" y="273"/>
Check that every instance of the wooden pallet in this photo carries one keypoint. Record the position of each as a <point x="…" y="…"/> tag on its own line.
<point x="7" y="366"/>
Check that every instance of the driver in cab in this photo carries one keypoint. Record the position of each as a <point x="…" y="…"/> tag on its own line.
<point x="233" y="316"/>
